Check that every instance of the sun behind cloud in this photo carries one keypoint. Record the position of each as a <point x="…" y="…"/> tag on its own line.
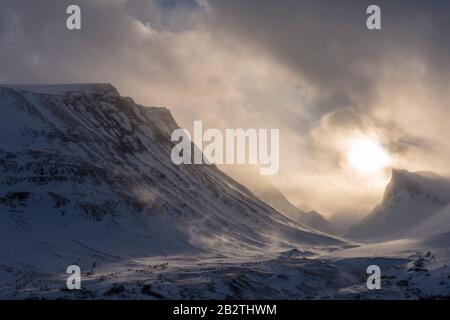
<point x="367" y="156"/>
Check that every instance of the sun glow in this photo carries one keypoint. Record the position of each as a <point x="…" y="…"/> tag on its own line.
<point x="367" y="156"/>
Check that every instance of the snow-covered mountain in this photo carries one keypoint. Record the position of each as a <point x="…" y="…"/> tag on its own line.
<point x="410" y="200"/>
<point x="270" y="194"/>
<point x="86" y="174"/>
<point x="86" y="178"/>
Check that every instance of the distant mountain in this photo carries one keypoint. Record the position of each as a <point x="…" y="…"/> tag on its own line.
<point x="86" y="174"/>
<point x="267" y="192"/>
<point x="409" y="200"/>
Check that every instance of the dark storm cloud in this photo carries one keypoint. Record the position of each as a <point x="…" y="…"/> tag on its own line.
<point x="324" y="41"/>
<point x="35" y="45"/>
<point x="328" y="42"/>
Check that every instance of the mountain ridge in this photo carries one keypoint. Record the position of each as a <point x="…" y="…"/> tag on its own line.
<point x="409" y="199"/>
<point x="271" y="195"/>
<point x="91" y="173"/>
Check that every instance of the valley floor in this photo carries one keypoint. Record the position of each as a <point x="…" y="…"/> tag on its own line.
<point x="291" y="274"/>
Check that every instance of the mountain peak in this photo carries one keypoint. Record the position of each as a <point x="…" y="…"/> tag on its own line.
<point x="60" y="89"/>
<point x="409" y="199"/>
<point x="396" y="172"/>
<point x="403" y="176"/>
<point x="415" y="182"/>
<point x="400" y="179"/>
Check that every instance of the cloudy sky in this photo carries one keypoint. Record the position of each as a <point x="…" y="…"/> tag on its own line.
<point x="310" y="68"/>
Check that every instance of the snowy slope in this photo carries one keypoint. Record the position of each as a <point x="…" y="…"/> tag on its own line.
<point x="410" y="199"/>
<point x="86" y="175"/>
<point x="267" y="192"/>
<point x="435" y="231"/>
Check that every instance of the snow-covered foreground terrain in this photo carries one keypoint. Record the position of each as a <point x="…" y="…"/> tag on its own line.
<point x="86" y="179"/>
<point x="288" y="275"/>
